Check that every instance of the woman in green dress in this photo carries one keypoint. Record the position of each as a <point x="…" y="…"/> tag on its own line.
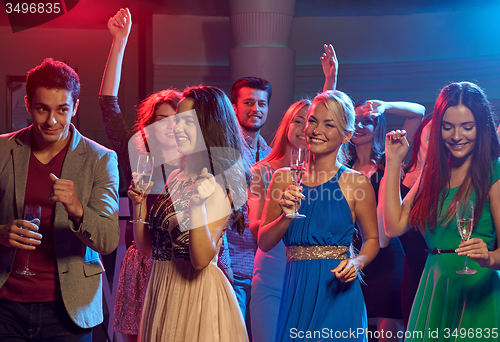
<point x="462" y="163"/>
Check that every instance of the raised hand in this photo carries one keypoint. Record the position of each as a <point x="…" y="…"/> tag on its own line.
<point x="120" y="24"/>
<point x="289" y="197"/>
<point x="205" y="187"/>
<point x="329" y="62"/>
<point x="64" y="191"/>
<point x="20" y="234"/>
<point x="374" y="108"/>
<point x="330" y="66"/>
<point x="396" y="146"/>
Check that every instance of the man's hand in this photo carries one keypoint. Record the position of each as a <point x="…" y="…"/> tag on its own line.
<point x="64" y="191"/>
<point x="20" y="234"/>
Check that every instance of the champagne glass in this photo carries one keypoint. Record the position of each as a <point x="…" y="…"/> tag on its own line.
<point x="465" y="221"/>
<point x="145" y="166"/>
<point x="298" y="161"/>
<point x="33" y="214"/>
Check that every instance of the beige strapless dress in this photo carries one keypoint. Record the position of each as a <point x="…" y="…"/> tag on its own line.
<point x="182" y="304"/>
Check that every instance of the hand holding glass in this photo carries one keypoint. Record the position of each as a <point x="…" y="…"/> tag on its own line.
<point x="298" y="162"/>
<point x="465" y="222"/>
<point x="33" y="214"/>
<point x="145" y="166"/>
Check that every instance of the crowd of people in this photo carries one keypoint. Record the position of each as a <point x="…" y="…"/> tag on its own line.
<point x="216" y="254"/>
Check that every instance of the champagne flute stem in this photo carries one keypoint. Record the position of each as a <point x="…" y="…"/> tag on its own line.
<point x="27" y="258"/>
<point x="140" y="209"/>
<point x="466" y="265"/>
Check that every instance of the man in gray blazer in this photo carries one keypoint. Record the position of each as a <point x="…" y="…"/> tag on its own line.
<point x="75" y="181"/>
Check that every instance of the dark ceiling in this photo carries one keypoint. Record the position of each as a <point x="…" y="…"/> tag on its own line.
<point x="95" y="13"/>
<point x="304" y="8"/>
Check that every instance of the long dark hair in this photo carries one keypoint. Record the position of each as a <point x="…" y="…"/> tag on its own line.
<point x="379" y="131"/>
<point x="412" y="164"/>
<point x="223" y="140"/>
<point x="428" y="203"/>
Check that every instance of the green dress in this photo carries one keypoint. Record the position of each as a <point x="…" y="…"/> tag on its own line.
<point x="450" y="306"/>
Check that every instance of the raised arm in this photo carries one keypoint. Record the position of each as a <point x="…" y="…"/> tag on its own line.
<point x="413" y="112"/>
<point x="395" y="212"/>
<point x="119" y="26"/>
<point x="330" y="67"/>
<point x="280" y="201"/>
<point x="117" y="130"/>
<point x="383" y="239"/>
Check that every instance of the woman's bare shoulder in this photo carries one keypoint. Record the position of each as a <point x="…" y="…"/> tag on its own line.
<point x="355" y="178"/>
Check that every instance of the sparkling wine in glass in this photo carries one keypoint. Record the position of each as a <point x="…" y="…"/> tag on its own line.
<point x="465" y="222"/>
<point x="298" y="161"/>
<point x="33" y="214"/>
<point x="145" y="166"/>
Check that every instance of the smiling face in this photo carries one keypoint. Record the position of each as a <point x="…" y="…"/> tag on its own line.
<point x="322" y="134"/>
<point x="164" y="121"/>
<point x="187" y="130"/>
<point x="51" y="112"/>
<point x="251" y="108"/>
<point x="365" y="126"/>
<point x="458" y="131"/>
<point x="296" y="135"/>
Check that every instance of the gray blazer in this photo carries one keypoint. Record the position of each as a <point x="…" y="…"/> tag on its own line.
<point x="94" y="171"/>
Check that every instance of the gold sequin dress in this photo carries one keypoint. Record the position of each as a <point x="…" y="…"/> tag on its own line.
<point x="181" y="303"/>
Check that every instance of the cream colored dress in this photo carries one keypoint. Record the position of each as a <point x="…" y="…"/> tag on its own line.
<point x="181" y="303"/>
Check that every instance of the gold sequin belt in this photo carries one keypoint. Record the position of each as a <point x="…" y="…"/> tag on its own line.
<point x="316" y="252"/>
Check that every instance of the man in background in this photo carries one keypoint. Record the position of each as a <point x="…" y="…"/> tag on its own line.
<point x="75" y="181"/>
<point x="250" y="97"/>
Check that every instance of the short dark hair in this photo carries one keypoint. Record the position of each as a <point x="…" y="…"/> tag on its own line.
<point x="251" y="82"/>
<point x="52" y="74"/>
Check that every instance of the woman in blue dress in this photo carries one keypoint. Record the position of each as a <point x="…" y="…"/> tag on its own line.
<point x="322" y="298"/>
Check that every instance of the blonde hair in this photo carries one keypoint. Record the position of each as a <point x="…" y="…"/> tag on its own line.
<point x="340" y="106"/>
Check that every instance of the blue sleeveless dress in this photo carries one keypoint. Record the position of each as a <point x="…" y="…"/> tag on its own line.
<point x="315" y="305"/>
